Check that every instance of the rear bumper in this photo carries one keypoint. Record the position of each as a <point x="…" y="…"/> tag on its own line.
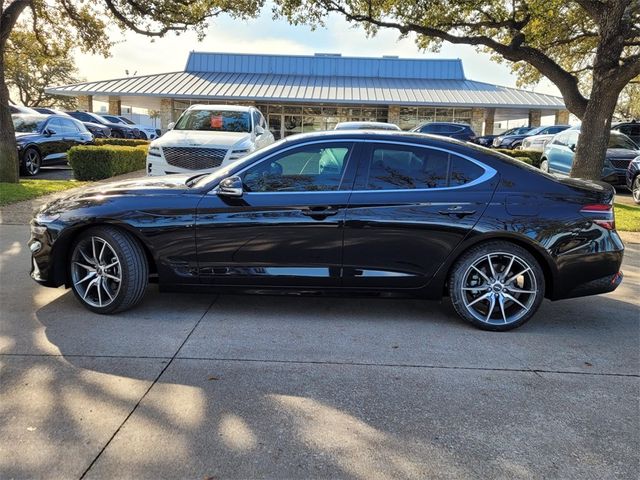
<point x="600" y="285"/>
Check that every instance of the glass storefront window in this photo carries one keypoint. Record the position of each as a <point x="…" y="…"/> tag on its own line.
<point x="444" y="114"/>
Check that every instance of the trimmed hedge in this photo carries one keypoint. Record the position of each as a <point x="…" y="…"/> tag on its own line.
<point x="532" y="155"/>
<point x="125" y="142"/>
<point x="97" y="162"/>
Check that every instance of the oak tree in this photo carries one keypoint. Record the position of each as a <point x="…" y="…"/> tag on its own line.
<point x="88" y="26"/>
<point x="590" y="49"/>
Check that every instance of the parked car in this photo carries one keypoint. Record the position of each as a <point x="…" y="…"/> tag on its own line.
<point x="145" y="132"/>
<point x="559" y="153"/>
<point x="633" y="178"/>
<point x="45" y="139"/>
<point x="118" y="130"/>
<point x="487" y="140"/>
<point x="21" y="109"/>
<point x="630" y="129"/>
<point x="366" y="126"/>
<point x="514" y="141"/>
<point x="350" y="212"/>
<point x="536" y="142"/>
<point x="207" y="137"/>
<point x="98" y="130"/>
<point x="459" y="131"/>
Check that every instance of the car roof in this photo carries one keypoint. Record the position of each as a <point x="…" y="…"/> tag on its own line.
<point x="230" y="108"/>
<point x="391" y="135"/>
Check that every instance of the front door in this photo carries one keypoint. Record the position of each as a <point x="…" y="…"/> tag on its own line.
<point x="287" y="228"/>
<point x="411" y="206"/>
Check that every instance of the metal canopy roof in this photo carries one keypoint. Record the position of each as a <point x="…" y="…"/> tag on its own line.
<point x="317" y="79"/>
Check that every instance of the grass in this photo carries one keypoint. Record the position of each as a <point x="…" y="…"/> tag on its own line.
<point x="627" y="218"/>
<point x="28" y="189"/>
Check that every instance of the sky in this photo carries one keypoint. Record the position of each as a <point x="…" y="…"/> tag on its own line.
<point x="140" y="55"/>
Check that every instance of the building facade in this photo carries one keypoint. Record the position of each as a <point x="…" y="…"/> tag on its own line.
<point x="309" y="93"/>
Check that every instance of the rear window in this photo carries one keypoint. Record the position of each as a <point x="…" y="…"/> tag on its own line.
<point x="402" y="167"/>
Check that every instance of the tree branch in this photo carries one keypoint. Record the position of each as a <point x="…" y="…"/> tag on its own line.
<point x="9" y="18"/>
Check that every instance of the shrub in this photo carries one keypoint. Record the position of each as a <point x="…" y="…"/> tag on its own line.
<point x="91" y="162"/>
<point x="532" y="155"/>
<point x="126" y="142"/>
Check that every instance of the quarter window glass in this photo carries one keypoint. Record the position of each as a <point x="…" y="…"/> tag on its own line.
<point x="306" y="169"/>
<point x="463" y="171"/>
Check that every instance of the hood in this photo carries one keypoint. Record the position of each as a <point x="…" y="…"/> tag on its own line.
<point x="95" y="195"/>
<point x="622" y="153"/>
<point x="22" y="136"/>
<point x="198" y="138"/>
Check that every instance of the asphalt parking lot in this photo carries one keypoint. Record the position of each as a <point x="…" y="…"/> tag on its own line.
<point x="198" y="386"/>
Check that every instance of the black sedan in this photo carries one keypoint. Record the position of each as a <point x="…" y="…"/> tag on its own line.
<point x="633" y="179"/>
<point x="384" y="213"/>
<point x="98" y="130"/>
<point x="118" y="130"/>
<point x="45" y="139"/>
<point x="514" y="141"/>
<point x="459" y="131"/>
<point x="487" y="140"/>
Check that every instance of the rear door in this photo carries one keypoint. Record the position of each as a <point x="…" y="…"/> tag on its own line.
<point x="412" y="204"/>
<point x="561" y="152"/>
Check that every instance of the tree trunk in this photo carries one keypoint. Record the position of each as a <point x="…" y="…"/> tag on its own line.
<point x="594" y="132"/>
<point x="9" y="167"/>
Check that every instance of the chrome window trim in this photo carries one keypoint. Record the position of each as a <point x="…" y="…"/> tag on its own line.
<point x="488" y="174"/>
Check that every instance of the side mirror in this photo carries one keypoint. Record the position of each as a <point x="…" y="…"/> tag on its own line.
<point x="171" y="125"/>
<point x="572" y="147"/>
<point x="231" y="187"/>
<point x="259" y="130"/>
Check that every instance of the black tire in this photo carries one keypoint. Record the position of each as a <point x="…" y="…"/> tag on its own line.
<point x="133" y="270"/>
<point x="515" y="145"/>
<point x="635" y="189"/>
<point x="31" y="162"/>
<point x="142" y="135"/>
<point x="544" y="165"/>
<point x="471" y="278"/>
<point x="116" y="134"/>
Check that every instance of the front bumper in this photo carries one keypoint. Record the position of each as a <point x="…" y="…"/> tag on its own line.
<point x="40" y="245"/>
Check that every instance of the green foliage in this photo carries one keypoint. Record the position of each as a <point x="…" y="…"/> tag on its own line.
<point x="533" y="157"/>
<point x="30" y="67"/>
<point x="628" y="106"/>
<point x="104" y="161"/>
<point x="32" y="188"/>
<point x="126" y="142"/>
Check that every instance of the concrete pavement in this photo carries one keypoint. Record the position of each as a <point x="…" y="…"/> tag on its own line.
<point x="204" y="386"/>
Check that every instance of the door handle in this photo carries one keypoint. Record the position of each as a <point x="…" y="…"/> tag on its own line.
<point x="457" y="211"/>
<point x="319" y="212"/>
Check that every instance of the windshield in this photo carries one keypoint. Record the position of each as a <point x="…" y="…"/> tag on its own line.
<point x="214" y="121"/>
<point x="113" y="119"/>
<point x="535" y="131"/>
<point x="617" y="140"/>
<point x="126" y="120"/>
<point x="28" y="123"/>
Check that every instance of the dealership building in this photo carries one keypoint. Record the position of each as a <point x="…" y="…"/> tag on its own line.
<point x="298" y="93"/>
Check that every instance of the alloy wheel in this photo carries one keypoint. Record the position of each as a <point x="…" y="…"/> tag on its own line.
<point x="635" y="189"/>
<point x="32" y="162"/>
<point x="96" y="271"/>
<point x="499" y="288"/>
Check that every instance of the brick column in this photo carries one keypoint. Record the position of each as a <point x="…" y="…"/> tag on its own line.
<point x="477" y="120"/>
<point x="562" y="117"/>
<point x="394" y="114"/>
<point x="85" y="103"/>
<point x="489" y="117"/>
<point x="166" y="113"/>
<point x="534" y="118"/>
<point x="115" y="106"/>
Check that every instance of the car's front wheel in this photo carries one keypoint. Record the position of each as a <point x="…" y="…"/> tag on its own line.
<point x="635" y="189"/>
<point x="31" y="162"/>
<point x="108" y="269"/>
<point x="496" y="286"/>
<point x="544" y="166"/>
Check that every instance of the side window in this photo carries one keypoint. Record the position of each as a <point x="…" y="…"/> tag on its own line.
<point x="407" y="167"/>
<point x="310" y="168"/>
<point x="256" y="119"/>
<point x="67" y="126"/>
<point x="54" y="126"/>
<point x="560" y="139"/>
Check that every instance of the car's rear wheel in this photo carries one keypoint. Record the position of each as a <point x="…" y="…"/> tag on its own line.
<point x="108" y="269"/>
<point x="544" y="166"/>
<point x="635" y="189"/>
<point x="31" y="162"/>
<point x="496" y="286"/>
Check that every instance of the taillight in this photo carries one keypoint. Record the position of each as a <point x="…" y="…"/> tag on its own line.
<point x="600" y="214"/>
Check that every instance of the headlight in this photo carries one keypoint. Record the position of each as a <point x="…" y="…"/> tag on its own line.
<point x="19" y="146"/>
<point x="44" y="217"/>
<point x="154" y="151"/>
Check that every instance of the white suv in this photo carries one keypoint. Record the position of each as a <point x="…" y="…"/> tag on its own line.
<point x="206" y="137"/>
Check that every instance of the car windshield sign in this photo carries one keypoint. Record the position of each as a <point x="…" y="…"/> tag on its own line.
<point x="214" y="121"/>
<point x="28" y="123"/>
